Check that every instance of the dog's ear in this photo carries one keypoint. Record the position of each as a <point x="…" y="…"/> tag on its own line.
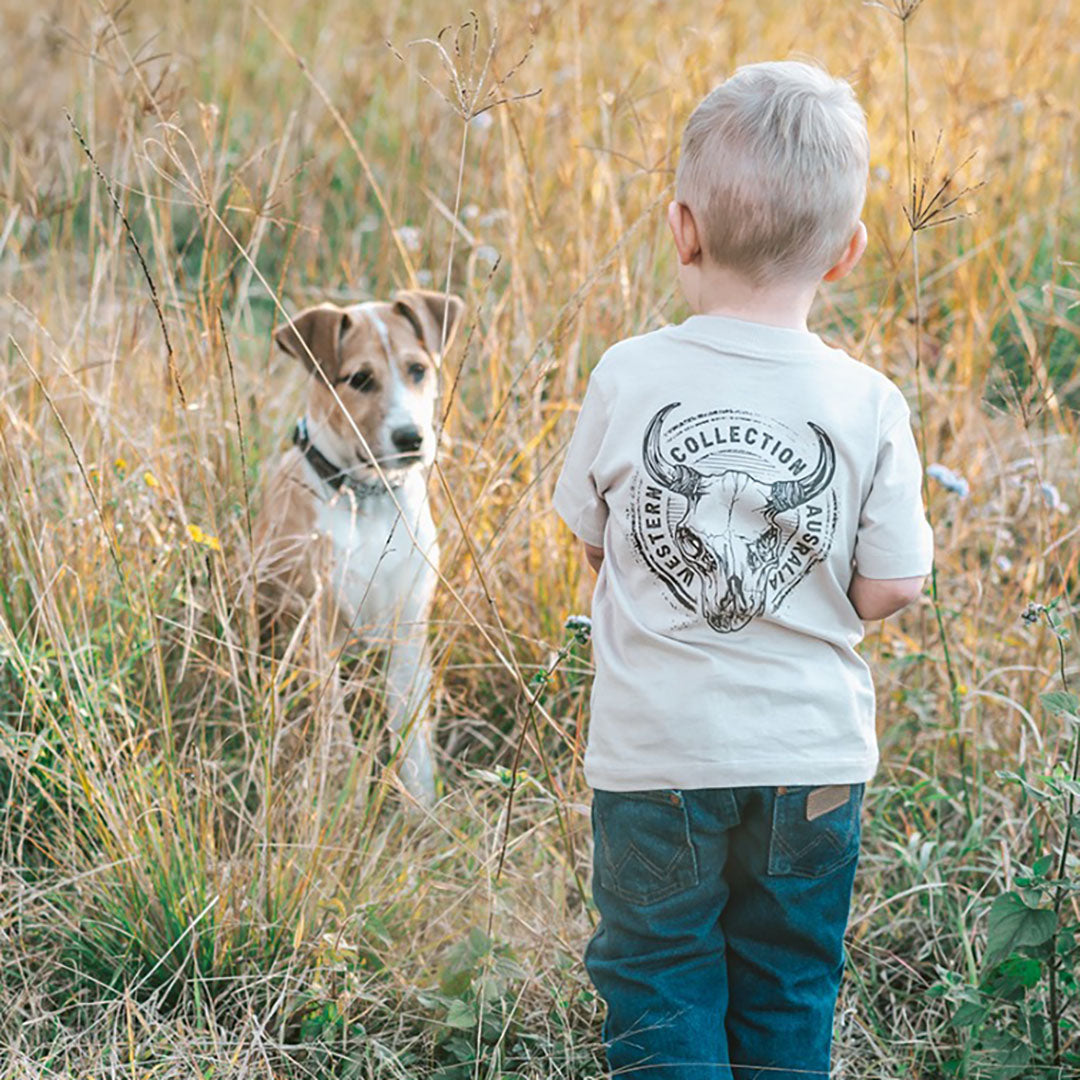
<point x="316" y="332"/>
<point x="435" y="317"/>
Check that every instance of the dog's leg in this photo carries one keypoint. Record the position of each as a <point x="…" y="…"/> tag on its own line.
<point x="408" y="680"/>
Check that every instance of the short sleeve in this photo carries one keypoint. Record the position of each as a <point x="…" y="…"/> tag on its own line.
<point x="894" y="539"/>
<point x="577" y="499"/>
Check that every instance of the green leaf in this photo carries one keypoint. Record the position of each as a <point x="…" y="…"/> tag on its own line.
<point x="1030" y="788"/>
<point x="1061" y="703"/>
<point x="460" y="1050"/>
<point x="461" y="1015"/>
<point x="969" y="1014"/>
<point x="1013" y="925"/>
<point x="462" y="963"/>
<point x="1042" y="864"/>
<point x="1023" y="969"/>
<point x="1009" y="1056"/>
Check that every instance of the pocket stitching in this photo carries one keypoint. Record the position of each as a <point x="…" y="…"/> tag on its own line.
<point x="662" y="889"/>
<point x="842" y="853"/>
<point x="840" y="858"/>
<point x="667" y="881"/>
<point x="661" y="873"/>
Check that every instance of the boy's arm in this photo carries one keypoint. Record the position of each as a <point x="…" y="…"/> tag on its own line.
<point x="878" y="598"/>
<point x="577" y="498"/>
<point x="894" y="545"/>
<point x="594" y="556"/>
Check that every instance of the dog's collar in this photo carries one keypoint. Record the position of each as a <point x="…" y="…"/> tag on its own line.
<point x="330" y="474"/>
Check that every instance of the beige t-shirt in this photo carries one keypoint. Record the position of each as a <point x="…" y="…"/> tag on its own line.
<point x="733" y="473"/>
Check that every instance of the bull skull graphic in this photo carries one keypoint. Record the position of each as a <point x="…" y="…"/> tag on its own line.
<point x="728" y="533"/>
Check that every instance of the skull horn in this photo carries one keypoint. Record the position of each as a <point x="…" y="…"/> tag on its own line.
<point x="681" y="479"/>
<point x="786" y="494"/>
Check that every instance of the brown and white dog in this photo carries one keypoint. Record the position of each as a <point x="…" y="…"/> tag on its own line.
<point x="345" y="528"/>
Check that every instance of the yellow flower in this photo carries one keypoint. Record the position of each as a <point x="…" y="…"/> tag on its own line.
<point x="205" y="539"/>
<point x="120" y="464"/>
<point x="150" y="479"/>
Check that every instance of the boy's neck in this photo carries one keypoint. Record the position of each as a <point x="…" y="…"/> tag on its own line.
<point x="716" y="290"/>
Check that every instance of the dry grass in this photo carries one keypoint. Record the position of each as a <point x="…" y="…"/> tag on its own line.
<point x="167" y="909"/>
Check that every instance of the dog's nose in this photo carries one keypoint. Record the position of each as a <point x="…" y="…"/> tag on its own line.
<point x="407" y="439"/>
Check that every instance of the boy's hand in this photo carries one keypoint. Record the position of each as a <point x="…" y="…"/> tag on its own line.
<point x="594" y="556"/>
<point x="878" y="598"/>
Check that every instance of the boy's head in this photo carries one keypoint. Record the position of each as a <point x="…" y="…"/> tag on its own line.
<point x="773" y="171"/>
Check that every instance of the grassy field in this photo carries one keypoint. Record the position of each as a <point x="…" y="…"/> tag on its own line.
<point x="167" y="909"/>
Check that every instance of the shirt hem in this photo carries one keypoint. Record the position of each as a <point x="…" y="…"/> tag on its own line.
<point x="573" y="523"/>
<point x="891" y="571"/>
<point x="735" y="774"/>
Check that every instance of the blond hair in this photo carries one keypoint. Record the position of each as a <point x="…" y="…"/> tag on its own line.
<point x="773" y="167"/>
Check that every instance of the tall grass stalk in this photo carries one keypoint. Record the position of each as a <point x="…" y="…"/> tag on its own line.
<point x="920" y="216"/>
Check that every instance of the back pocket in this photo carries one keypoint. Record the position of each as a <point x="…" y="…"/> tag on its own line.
<point x="643" y="850"/>
<point x="813" y="848"/>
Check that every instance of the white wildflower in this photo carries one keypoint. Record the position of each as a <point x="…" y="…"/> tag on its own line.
<point x="1052" y="498"/>
<point x="948" y="479"/>
<point x="410" y="237"/>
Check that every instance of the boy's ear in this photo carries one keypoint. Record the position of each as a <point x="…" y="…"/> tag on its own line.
<point x="684" y="232"/>
<point x="852" y="254"/>
<point x="435" y="317"/>
<point x="316" y="333"/>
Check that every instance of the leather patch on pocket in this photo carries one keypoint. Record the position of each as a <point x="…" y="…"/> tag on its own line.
<point x="823" y="799"/>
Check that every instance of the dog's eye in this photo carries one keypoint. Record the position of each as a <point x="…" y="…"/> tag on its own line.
<point x="362" y="380"/>
<point x="417" y="372"/>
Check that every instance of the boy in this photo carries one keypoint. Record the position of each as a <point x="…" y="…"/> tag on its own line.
<point x="747" y="496"/>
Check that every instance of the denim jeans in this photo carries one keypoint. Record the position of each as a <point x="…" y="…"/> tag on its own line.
<point x="721" y="942"/>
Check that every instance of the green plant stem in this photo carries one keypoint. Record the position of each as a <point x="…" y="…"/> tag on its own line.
<point x="1060" y="889"/>
<point x="530" y="706"/>
<point x="564" y="828"/>
<point x="529" y="721"/>
<point x="950" y="670"/>
<point x="907" y="105"/>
